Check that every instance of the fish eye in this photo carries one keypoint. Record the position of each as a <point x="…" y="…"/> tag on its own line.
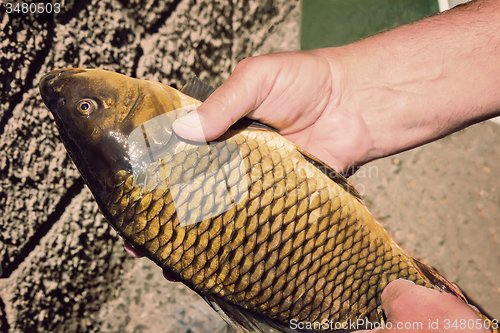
<point x="86" y="106"/>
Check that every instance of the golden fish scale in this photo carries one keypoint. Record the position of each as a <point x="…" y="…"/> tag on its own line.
<point x="292" y="245"/>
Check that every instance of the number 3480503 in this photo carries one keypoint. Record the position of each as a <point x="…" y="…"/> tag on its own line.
<point x="33" y="8"/>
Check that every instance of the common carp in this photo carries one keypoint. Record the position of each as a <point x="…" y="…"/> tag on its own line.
<point x="266" y="233"/>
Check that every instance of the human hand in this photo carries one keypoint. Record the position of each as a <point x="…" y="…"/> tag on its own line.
<point x="134" y="253"/>
<point x="299" y="94"/>
<point x="412" y="308"/>
<point x="379" y="96"/>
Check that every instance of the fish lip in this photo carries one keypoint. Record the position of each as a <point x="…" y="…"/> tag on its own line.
<point x="45" y="88"/>
<point x="48" y="78"/>
<point x="47" y="81"/>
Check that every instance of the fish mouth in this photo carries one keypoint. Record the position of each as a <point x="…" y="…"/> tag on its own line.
<point x="46" y="85"/>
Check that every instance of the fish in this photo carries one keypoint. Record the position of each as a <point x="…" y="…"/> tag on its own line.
<point x="268" y="234"/>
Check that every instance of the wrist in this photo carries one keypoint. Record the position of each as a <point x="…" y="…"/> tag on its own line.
<point x="344" y="122"/>
<point x="420" y="82"/>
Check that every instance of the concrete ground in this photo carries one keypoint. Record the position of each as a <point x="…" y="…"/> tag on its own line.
<point x="64" y="270"/>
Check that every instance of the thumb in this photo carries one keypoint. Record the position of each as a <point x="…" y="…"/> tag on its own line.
<point x="391" y="293"/>
<point x="394" y="291"/>
<point x="244" y="91"/>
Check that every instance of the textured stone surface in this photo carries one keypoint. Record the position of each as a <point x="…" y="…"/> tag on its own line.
<point x="67" y="277"/>
<point x="33" y="182"/>
<point x="146" y="303"/>
<point x="58" y="289"/>
<point x="4" y="326"/>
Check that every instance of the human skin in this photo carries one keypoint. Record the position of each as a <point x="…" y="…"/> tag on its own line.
<point x="370" y="99"/>
<point x="374" y="98"/>
<point x="406" y="305"/>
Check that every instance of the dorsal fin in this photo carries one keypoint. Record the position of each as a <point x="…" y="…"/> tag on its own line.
<point x="331" y="173"/>
<point x="246" y="320"/>
<point x="261" y="126"/>
<point x="250" y="124"/>
<point x="197" y="89"/>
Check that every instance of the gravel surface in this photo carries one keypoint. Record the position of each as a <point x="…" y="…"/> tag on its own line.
<point x="63" y="269"/>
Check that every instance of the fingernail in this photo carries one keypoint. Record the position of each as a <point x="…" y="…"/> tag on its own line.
<point x="191" y="120"/>
<point x="169" y="277"/>
<point x="189" y="127"/>
<point x="401" y="281"/>
<point x="407" y="281"/>
<point x="474" y="308"/>
<point x="390" y="287"/>
<point x="130" y="250"/>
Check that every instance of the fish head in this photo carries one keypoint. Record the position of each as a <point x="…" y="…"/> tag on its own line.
<point x="96" y="111"/>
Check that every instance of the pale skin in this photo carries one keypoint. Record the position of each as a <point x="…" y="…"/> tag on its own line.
<point x="370" y="99"/>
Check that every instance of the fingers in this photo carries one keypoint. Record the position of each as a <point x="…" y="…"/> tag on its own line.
<point x="395" y="290"/>
<point x="134" y="253"/>
<point x="169" y="277"/>
<point x="131" y="251"/>
<point x="407" y="304"/>
<point x="244" y="91"/>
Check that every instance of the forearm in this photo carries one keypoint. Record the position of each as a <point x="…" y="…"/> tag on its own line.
<point x="422" y="81"/>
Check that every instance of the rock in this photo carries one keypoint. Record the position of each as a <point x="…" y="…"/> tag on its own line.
<point x="4" y="325"/>
<point x="145" y="303"/>
<point x="196" y="317"/>
<point x="67" y="277"/>
<point x="55" y="249"/>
